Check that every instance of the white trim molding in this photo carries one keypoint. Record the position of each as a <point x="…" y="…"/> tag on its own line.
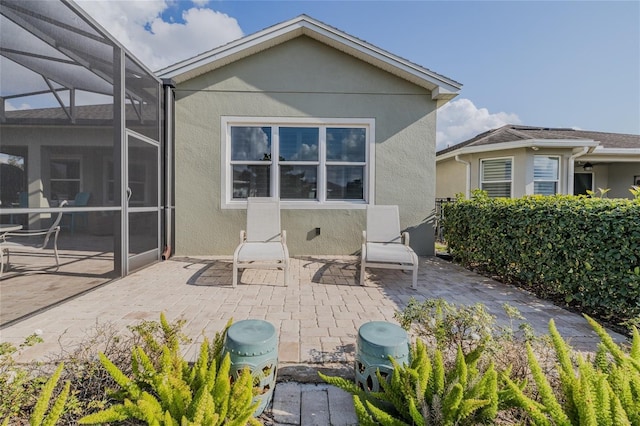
<point x="275" y="123"/>
<point x="442" y="87"/>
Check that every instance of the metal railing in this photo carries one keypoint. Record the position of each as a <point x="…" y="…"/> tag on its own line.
<point x="439" y="228"/>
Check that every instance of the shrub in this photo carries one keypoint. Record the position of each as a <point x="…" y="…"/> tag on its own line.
<point x="447" y="325"/>
<point x="172" y="392"/>
<point x="604" y="391"/>
<point x="19" y="386"/>
<point x="91" y="386"/>
<point x="578" y="251"/>
<point x="39" y="416"/>
<point x="425" y="392"/>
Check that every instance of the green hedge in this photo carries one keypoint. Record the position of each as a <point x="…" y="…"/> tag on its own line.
<point x="584" y="252"/>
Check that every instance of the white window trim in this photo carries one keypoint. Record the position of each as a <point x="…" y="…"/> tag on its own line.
<point x="557" y="180"/>
<point x="481" y="181"/>
<point x="321" y="203"/>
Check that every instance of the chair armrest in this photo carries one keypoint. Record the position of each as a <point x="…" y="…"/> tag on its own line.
<point x="283" y="237"/>
<point x="405" y="238"/>
<point x="243" y="236"/>
<point x="30" y="233"/>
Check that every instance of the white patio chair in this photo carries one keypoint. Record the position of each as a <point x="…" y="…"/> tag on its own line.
<point x="383" y="246"/>
<point x="264" y="243"/>
<point x="32" y="240"/>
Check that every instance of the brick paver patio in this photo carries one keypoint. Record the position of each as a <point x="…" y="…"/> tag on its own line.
<point x="317" y="315"/>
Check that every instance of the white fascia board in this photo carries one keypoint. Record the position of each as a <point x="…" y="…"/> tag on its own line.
<point x="442" y="94"/>
<point x="616" y="151"/>
<point x="529" y="143"/>
<point x="615" y="155"/>
<point x="446" y="88"/>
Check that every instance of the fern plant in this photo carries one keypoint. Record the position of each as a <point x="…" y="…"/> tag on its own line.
<point x="18" y="384"/>
<point x="425" y="393"/>
<point x="177" y="393"/>
<point x="39" y="416"/>
<point x="603" y="391"/>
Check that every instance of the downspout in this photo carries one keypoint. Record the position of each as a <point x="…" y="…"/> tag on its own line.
<point x="168" y="85"/>
<point x="571" y="168"/>
<point x="467" y="191"/>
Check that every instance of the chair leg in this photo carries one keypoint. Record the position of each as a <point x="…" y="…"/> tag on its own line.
<point x="286" y="273"/>
<point x="414" y="283"/>
<point x="285" y="269"/>
<point x="55" y="252"/>
<point x="362" y="271"/>
<point x="8" y="253"/>
<point x="235" y="275"/>
<point x="414" y="278"/>
<point x="1" y="261"/>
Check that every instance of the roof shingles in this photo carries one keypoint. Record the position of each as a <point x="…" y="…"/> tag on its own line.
<point x="512" y="133"/>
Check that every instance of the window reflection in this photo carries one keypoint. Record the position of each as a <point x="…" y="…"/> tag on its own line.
<point x="298" y="182"/>
<point x="345" y="182"/>
<point x="299" y="143"/>
<point x="345" y="144"/>
<point x="337" y="156"/>
<point x="251" y="181"/>
<point x="250" y="143"/>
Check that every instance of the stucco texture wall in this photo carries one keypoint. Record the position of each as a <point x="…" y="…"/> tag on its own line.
<point x="303" y="78"/>
<point x="41" y="144"/>
<point x="620" y="178"/>
<point x="451" y="174"/>
<point x="451" y="178"/>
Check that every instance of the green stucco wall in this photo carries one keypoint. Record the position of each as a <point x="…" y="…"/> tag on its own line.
<point x="303" y="78"/>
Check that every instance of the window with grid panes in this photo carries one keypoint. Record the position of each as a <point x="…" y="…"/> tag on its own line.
<point x="496" y="176"/>
<point x="298" y="162"/>
<point x="546" y="174"/>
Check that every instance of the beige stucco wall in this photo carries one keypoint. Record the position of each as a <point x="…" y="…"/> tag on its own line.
<point x="451" y="178"/>
<point x="303" y="78"/>
<point x="618" y="177"/>
<point x="451" y="175"/>
<point x="91" y="145"/>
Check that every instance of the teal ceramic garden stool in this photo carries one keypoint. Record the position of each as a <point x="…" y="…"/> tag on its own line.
<point x="377" y="340"/>
<point x="254" y="344"/>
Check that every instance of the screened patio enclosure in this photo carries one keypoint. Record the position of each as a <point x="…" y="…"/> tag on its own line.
<point x="81" y="120"/>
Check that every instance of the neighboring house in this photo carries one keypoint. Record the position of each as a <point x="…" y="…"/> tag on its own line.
<point x="305" y="113"/>
<point x="513" y="161"/>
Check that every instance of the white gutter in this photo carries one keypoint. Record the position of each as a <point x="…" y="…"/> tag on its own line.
<point x="571" y="168"/>
<point x="467" y="191"/>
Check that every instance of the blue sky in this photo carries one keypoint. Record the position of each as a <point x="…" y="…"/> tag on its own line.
<point x="542" y="63"/>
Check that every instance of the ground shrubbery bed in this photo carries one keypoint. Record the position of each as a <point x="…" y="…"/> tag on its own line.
<point x="577" y="251"/>
<point x="464" y="369"/>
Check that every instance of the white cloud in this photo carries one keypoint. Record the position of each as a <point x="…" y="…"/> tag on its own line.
<point x="8" y="106"/>
<point x="140" y="28"/>
<point x="460" y="120"/>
